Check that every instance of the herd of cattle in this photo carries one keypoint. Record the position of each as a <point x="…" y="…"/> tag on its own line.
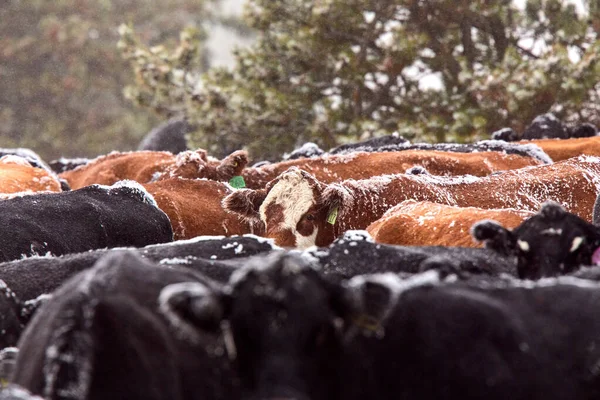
<point x="376" y="270"/>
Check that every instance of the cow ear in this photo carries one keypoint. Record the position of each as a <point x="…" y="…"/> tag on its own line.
<point x="336" y="198"/>
<point x="552" y="210"/>
<point x="192" y="307"/>
<point x="233" y="164"/>
<point x="200" y="153"/>
<point x="374" y="297"/>
<point x="494" y="236"/>
<point x="245" y="202"/>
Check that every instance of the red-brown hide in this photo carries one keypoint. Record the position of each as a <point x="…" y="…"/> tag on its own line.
<point x="423" y="223"/>
<point x="362" y="165"/>
<point x="147" y="166"/>
<point x="573" y="183"/>
<point x="562" y="149"/>
<point x="17" y="175"/>
<point x="194" y="208"/>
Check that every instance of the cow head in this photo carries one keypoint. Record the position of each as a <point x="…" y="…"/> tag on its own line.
<point x="294" y="208"/>
<point x="550" y="243"/>
<point x="196" y="164"/>
<point x="281" y="324"/>
<point x="231" y="166"/>
<point x="284" y="324"/>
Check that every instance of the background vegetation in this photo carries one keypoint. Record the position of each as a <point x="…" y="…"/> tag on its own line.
<point x="62" y="76"/>
<point x="326" y="71"/>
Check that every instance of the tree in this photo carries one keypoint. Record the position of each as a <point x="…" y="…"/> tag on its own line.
<point x="61" y="75"/>
<point x="337" y="70"/>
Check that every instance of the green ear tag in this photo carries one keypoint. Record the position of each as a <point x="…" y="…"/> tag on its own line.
<point x="332" y="215"/>
<point x="237" y="182"/>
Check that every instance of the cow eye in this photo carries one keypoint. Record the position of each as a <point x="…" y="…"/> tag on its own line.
<point x="309" y="217"/>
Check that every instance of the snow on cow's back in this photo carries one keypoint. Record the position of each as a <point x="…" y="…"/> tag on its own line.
<point x="131" y="188"/>
<point x="14" y="159"/>
<point x="527" y="149"/>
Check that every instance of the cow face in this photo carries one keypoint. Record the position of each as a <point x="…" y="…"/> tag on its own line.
<point x="294" y="209"/>
<point x="282" y="324"/>
<point x="552" y="242"/>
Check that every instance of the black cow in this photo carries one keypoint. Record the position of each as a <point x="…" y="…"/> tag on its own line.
<point x="301" y="336"/>
<point x="32" y="279"/>
<point x="355" y="253"/>
<point x="506" y="134"/>
<point x="66" y="164"/>
<point x="106" y="335"/>
<point x="583" y="130"/>
<point x="550" y="243"/>
<point x="169" y="136"/>
<point x="528" y="150"/>
<point x="307" y="150"/>
<point x="214" y="257"/>
<point x="545" y="126"/>
<point x="89" y="218"/>
<point x="379" y="143"/>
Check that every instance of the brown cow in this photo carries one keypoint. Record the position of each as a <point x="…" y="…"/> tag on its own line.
<point x="562" y="149"/>
<point x="363" y="165"/>
<point x="194" y="208"/>
<point x="424" y="223"/>
<point x="147" y="166"/>
<point x="17" y="175"/>
<point x="298" y="210"/>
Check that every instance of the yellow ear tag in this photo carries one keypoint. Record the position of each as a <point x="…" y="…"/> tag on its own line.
<point x="332" y="215"/>
<point x="237" y="182"/>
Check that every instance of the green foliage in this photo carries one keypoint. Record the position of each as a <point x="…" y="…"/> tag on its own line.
<point x="61" y="75"/>
<point x="330" y="71"/>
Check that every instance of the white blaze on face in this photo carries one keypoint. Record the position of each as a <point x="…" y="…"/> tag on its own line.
<point x="304" y="242"/>
<point x="295" y="195"/>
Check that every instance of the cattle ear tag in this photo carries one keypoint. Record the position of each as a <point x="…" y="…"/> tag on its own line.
<point x="237" y="182"/>
<point x="332" y="215"/>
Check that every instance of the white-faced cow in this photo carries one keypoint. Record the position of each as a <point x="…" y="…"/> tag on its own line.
<point x="299" y="210"/>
